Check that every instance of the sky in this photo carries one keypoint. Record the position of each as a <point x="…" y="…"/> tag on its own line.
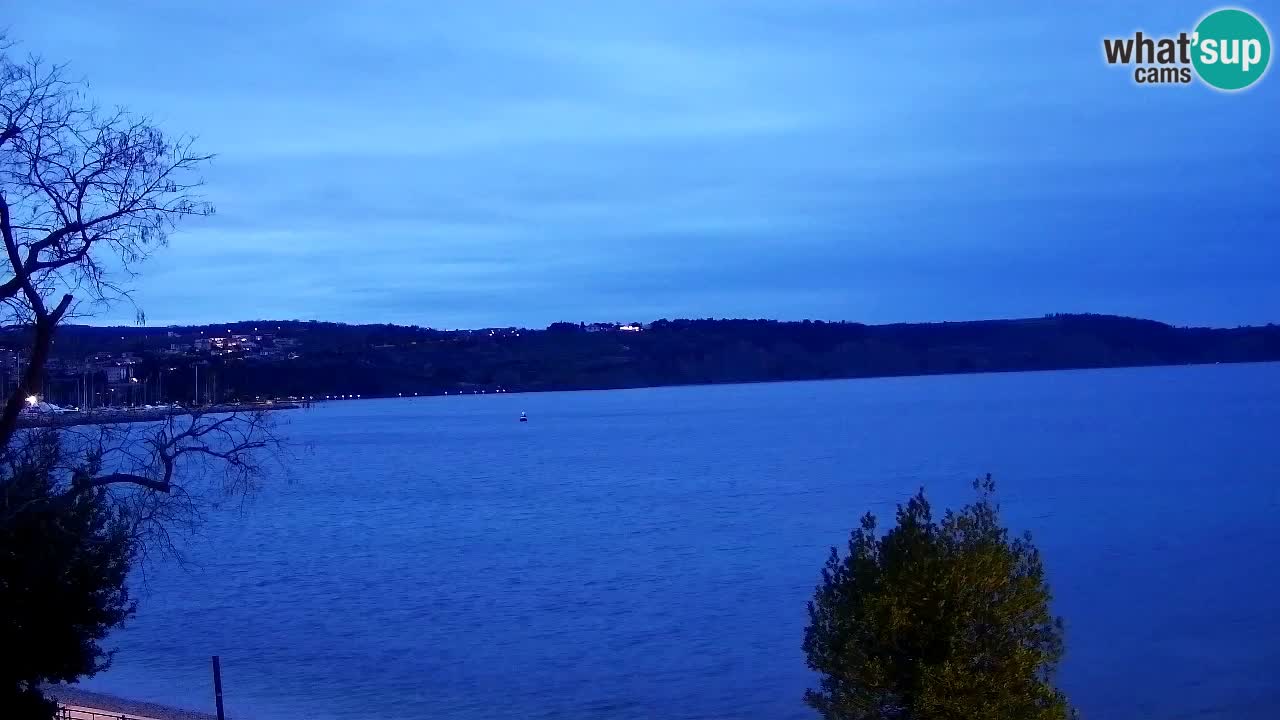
<point x="480" y="164"/>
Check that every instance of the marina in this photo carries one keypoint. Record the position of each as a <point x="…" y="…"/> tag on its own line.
<point x="116" y="416"/>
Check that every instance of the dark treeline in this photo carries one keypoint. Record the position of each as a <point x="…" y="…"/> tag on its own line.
<point x="386" y="360"/>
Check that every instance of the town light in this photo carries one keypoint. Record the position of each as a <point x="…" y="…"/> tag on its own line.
<point x="32" y="400"/>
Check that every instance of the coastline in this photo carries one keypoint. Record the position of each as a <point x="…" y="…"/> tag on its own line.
<point x="136" y="415"/>
<point x="533" y="390"/>
<point x="83" y="704"/>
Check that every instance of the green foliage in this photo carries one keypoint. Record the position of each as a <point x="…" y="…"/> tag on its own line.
<point x="935" y="620"/>
<point x="62" y="580"/>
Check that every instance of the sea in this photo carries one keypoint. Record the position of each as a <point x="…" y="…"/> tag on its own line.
<point x="649" y="553"/>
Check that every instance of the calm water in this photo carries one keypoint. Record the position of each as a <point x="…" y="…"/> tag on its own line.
<point x="648" y="553"/>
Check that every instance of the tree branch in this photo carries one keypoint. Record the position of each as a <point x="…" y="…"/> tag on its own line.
<point x="162" y="486"/>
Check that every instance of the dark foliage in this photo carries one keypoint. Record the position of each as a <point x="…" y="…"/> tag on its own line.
<point x="935" y="620"/>
<point x="62" y="580"/>
<point x="386" y="360"/>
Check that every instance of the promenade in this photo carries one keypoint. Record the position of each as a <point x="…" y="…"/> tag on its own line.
<point x="115" y="416"/>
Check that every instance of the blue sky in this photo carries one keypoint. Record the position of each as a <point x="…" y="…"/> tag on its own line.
<point x="470" y="164"/>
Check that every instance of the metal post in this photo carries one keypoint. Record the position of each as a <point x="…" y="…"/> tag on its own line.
<point x="217" y="686"/>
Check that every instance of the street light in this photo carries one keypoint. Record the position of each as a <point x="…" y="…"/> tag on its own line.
<point x="33" y="400"/>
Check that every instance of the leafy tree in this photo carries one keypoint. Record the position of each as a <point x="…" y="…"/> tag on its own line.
<point x="63" y="569"/>
<point x="937" y="620"/>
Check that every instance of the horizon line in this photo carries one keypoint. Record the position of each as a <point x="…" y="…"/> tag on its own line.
<point x="1046" y="316"/>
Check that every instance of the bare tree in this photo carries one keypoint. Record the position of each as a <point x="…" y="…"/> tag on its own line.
<point x="163" y="476"/>
<point x="85" y="196"/>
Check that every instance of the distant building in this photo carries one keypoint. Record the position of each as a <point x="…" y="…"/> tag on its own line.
<point x="118" y="373"/>
<point x="232" y="344"/>
<point x="614" y="327"/>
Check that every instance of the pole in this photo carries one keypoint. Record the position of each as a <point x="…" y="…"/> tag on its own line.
<point x="217" y="686"/>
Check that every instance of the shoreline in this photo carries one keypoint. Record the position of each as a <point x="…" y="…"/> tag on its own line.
<point x="102" y="416"/>
<point x="487" y="391"/>
<point x="84" y="703"/>
<point x="136" y="415"/>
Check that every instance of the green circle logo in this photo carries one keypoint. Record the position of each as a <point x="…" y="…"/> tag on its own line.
<point x="1232" y="49"/>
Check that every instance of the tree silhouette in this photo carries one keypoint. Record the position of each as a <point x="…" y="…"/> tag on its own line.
<point x="85" y="196"/>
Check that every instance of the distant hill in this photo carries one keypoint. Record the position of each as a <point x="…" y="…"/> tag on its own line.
<point x="386" y="360"/>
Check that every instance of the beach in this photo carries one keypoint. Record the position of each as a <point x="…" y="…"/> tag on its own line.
<point x="76" y="704"/>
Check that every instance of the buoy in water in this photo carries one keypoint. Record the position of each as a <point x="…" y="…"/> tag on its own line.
<point x="524" y="418"/>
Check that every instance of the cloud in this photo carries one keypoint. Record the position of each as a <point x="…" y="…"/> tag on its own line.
<point x="515" y="163"/>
